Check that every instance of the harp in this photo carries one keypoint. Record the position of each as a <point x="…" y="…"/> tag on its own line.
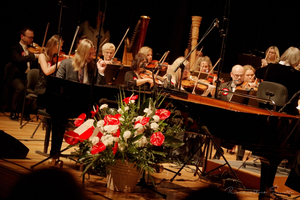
<point x="137" y="40"/>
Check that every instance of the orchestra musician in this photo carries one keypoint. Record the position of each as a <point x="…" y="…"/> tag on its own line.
<point x="22" y="61"/>
<point x="272" y="56"/>
<point x="250" y="77"/>
<point x="47" y="63"/>
<point x="81" y="67"/>
<point x="133" y="78"/>
<point x="238" y="75"/>
<point x="285" y="73"/>
<point x="202" y="63"/>
<point x="148" y="52"/>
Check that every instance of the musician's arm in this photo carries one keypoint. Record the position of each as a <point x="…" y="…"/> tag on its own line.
<point x="101" y="80"/>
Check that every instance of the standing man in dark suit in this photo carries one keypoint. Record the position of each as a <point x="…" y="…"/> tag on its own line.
<point x="22" y="61"/>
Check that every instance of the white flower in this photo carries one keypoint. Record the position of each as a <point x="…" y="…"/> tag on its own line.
<point x="100" y="123"/>
<point x="131" y="101"/>
<point x="148" y="111"/>
<point x="103" y="106"/>
<point x="107" y="140"/>
<point x="120" y="111"/>
<point x="111" y="128"/>
<point x="154" y="126"/>
<point x="138" y="118"/>
<point x="126" y="108"/>
<point x="126" y="135"/>
<point x="142" y="142"/>
<point x="94" y="140"/>
<point x="139" y="127"/>
<point x="156" y="118"/>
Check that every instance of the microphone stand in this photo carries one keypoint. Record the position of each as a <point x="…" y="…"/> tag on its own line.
<point x="97" y="51"/>
<point x="181" y="65"/>
<point x="223" y="34"/>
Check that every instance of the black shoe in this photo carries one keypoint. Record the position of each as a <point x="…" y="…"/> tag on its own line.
<point x="14" y="116"/>
<point x="27" y="117"/>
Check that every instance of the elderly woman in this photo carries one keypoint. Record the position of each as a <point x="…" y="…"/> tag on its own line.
<point x="202" y="64"/>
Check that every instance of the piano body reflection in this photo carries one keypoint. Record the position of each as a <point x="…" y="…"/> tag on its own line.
<point x="270" y="135"/>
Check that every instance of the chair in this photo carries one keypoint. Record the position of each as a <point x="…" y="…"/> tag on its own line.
<point x="275" y="92"/>
<point x="32" y="78"/>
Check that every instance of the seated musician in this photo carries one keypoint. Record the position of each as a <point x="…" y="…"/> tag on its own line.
<point x="285" y="73"/>
<point x="133" y="78"/>
<point x="47" y="63"/>
<point x="250" y="77"/>
<point x="148" y="52"/>
<point x="81" y="67"/>
<point x="237" y="74"/>
<point x="272" y="56"/>
<point x="202" y="63"/>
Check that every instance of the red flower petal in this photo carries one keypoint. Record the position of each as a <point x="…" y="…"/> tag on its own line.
<point x="99" y="147"/>
<point x="111" y="120"/>
<point x="163" y="113"/>
<point x="118" y="115"/>
<point x="80" y="119"/>
<point x="99" y="135"/>
<point x="87" y="134"/>
<point x="157" y="139"/>
<point x="126" y="100"/>
<point x="143" y="121"/>
<point x="71" y="137"/>
<point x="93" y="112"/>
<point x="117" y="134"/>
<point x="115" y="148"/>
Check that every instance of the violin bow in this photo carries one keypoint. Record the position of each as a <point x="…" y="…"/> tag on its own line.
<point x="213" y="67"/>
<point x="77" y="29"/>
<point x="120" y="43"/>
<point x="193" y="92"/>
<point x="45" y="34"/>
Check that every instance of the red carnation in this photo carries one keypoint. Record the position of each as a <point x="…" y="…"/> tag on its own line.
<point x="143" y="121"/>
<point x="157" y="139"/>
<point x="111" y="120"/>
<point x="99" y="147"/>
<point x="163" y="113"/>
<point x="71" y="137"/>
<point x="80" y="119"/>
<point x="93" y="112"/>
<point x="128" y="99"/>
<point x="115" y="148"/>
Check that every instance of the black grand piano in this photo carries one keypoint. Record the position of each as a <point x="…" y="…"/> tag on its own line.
<point x="270" y="135"/>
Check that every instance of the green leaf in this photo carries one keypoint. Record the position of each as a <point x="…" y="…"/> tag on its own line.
<point x="171" y="141"/>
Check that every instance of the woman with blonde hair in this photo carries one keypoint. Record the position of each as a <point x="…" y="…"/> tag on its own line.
<point x="81" y="67"/>
<point x="47" y="63"/>
<point x="272" y="56"/>
<point x="147" y="51"/>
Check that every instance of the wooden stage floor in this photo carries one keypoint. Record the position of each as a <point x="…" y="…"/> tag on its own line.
<point x="94" y="188"/>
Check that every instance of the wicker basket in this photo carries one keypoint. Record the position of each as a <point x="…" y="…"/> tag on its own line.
<point x="123" y="177"/>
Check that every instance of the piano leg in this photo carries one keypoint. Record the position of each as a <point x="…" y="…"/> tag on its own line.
<point x="268" y="172"/>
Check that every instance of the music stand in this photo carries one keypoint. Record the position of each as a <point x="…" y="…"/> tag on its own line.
<point x="114" y="74"/>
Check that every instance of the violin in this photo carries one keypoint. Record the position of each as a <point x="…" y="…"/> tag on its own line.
<point x="155" y="63"/>
<point x="148" y="74"/>
<point x="61" y="56"/>
<point x="36" y="49"/>
<point x="190" y="83"/>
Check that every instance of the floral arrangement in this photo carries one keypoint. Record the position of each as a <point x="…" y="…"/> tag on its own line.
<point x="132" y="132"/>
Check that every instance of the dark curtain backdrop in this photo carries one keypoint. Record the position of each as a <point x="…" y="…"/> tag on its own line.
<point x="252" y="24"/>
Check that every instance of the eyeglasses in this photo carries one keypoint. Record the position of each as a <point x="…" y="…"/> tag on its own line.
<point x="29" y="37"/>
<point x="238" y="75"/>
